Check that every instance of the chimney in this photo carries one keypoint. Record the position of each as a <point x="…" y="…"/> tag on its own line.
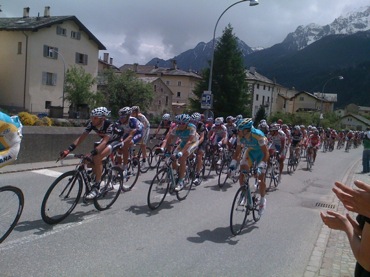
<point x="106" y="57"/>
<point x="174" y="64"/>
<point x="47" y="11"/>
<point x="26" y="12"/>
<point x="252" y="70"/>
<point x="110" y="60"/>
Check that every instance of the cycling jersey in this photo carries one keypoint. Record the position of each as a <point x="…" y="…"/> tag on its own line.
<point x="201" y="128"/>
<point x="253" y="145"/>
<point x="231" y="129"/>
<point x="166" y="124"/>
<point x="314" y="140"/>
<point x="102" y="131"/>
<point x="146" y="127"/>
<point x="10" y="138"/>
<point x="296" y="138"/>
<point x="184" y="136"/>
<point x="218" y="132"/>
<point x="132" y="124"/>
<point x="277" y="141"/>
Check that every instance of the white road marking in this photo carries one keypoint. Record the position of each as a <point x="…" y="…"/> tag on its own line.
<point x="48" y="172"/>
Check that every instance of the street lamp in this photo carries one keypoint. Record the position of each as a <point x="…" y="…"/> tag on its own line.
<point x="322" y="95"/>
<point x="64" y="74"/>
<point x="251" y="3"/>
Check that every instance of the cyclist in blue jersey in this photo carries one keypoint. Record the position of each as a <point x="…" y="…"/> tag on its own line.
<point x="10" y="138"/>
<point x="256" y="151"/>
<point x="187" y="133"/>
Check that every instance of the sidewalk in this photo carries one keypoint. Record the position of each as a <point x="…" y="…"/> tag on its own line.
<point x="34" y="166"/>
<point x="332" y="255"/>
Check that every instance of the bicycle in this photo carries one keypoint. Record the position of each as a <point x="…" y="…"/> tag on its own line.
<point x="246" y="200"/>
<point x="165" y="181"/>
<point x="309" y="157"/>
<point x="11" y="208"/>
<point x="293" y="160"/>
<point x="225" y="172"/>
<point x="65" y="192"/>
<point x="149" y="157"/>
<point x="273" y="169"/>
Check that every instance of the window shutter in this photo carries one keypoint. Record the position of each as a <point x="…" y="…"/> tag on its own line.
<point x="44" y="77"/>
<point x="54" y="81"/>
<point x="46" y="50"/>
<point x="76" y="57"/>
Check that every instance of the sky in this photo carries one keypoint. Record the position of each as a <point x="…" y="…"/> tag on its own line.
<point x="135" y="31"/>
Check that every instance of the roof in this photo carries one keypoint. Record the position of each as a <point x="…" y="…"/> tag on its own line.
<point x="153" y="70"/>
<point x="39" y="22"/>
<point x="314" y="96"/>
<point x="255" y="76"/>
<point x="363" y="108"/>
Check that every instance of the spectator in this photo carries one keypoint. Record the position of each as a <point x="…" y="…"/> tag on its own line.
<point x="357" y="231"/>
<point x="366" y="151"/>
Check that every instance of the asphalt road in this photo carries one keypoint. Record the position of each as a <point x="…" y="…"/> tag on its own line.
<point x="188" y="238"/>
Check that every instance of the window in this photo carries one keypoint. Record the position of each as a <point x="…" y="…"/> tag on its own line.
<point x="75" y="35"/>
<point x="155" y="88"/>
<point x="61" y="31"/>
<point x="301" y="98"/>
<point x="179" y="83"/>
<point x="166" y="101"/>
<point x="178" y="94"/>
<point x="264" y="87"/>
<point x="19" y="48"/>
<point x="263" y="100"/>
<point x="50" y="52"/>
<point x="81" y="58"/>
<point x="258" y="86"/>
<point x="49" y="79"/>
<point x="256" y="97"/>
<point x="167" y="83"/>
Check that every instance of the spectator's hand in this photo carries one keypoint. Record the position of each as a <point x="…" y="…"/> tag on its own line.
<point x="336" y="221"/>
<point x="63" y="154"/>
<point x="354" y="200"/>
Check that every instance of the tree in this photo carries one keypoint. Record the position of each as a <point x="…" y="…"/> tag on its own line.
<point x="261" y="114"/>
<point x="126" y="90"/>
<point x="229" y="87"/>
<point x="78" y="85"/>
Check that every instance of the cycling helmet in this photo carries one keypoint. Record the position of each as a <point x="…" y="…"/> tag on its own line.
<point x="99" y="112"/>
<point x="125" y="111"/>
<point x="284" y="126"/>
<point x="135" y="109"/>
<point x="246" y="123"/>
<point x="274" y="127"/>
<point x="263" y="121"/>
<point x="166" y="116"/>
<point x="184" y="118"/>
<point x="106" y="112"/>
<point x="316" y="132"/>
<point x="229" y="118"/>
<point x="177" y="118"/>
<point x="296" y="127"/>
<point x="219" y="121"/>
<point x="302" y="126"/>
<point x="196" y="116"/>
<point x="238" y="117"/>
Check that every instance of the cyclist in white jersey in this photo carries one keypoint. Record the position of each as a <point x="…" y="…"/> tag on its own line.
<point x="146" y="130"/>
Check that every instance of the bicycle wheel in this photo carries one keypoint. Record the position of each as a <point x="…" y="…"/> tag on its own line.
<point x="109" y="189"/>
<point x="188" y="183"/>
<point x="275" y="174"/>
<point x="290" y="165"/>
<point x="256" y="198"/>
<point x="11" y="207"/>
<point x="158" y="189"/>
<point x="131" y="174"/>
<point x="207" y="166"/>
<point x="224" y="174"/>
<point x="61" y="197"/>
<point x="238" y="215"/>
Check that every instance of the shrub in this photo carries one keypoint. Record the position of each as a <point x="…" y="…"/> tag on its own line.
<point x="27" y="119"/>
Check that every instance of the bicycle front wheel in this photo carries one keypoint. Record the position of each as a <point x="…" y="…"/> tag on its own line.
<point x="158" y="189"/>
<point x="109" y="189"/>
<point x="239" y="212"/>
<point x="62" y="197"/>
<point x="11" y="207"/>
<point x="188" y="184"/>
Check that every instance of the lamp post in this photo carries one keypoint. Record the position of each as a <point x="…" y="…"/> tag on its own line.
<point x="251" y="3"/>
<point x="322" y="95"/>
<point x="64" y="74"/>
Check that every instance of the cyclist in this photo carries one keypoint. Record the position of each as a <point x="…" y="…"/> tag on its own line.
<point x="202" y="132"/>
<point x="263" y="126"/>
<point x="164" y="124"/>
<point x="10" y="138"/>
<point x="100" y="125"/>
<point x="146" y="130"/>
<point x="187" y="132"/>
<point x="132" y="132"/>
<point x="296" y="142"/>
<point x="231" y="131"/>
<point x="256" y="151"/>
<point x="314" y="143"/>
<point x="278" y="142"/>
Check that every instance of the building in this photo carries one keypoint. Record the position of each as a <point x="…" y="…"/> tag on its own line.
<point x="35" y="53"/>
<point x="354" y="122"/>
<point x="180" y="82"/>
<point x="305" y="101"/>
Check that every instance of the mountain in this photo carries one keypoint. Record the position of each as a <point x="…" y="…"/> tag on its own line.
<point x="198" y="58"/>
<point x="307" y="57"/>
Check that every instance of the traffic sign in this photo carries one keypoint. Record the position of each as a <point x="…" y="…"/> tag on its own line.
<point x="207" y="100"/>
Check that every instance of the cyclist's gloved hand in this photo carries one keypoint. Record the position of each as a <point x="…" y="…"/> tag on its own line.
<point x="232" y="165"/>
<point x="64" y="154"/>
<point x="262" y="165"/>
